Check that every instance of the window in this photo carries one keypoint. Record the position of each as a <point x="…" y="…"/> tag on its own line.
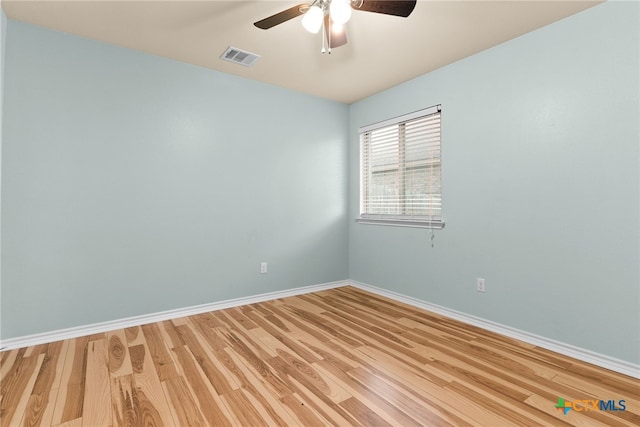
<point x="400" y="177"/>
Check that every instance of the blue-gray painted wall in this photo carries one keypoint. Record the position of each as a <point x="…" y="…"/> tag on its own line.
<point x="540" y="143"/>
<point x="3" y="37"/>
<point x="134" y="184"/>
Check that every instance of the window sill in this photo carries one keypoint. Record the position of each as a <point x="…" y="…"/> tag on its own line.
<point x="396" y="222"/>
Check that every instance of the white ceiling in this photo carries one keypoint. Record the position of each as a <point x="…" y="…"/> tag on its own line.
<point x="382" y="52"/>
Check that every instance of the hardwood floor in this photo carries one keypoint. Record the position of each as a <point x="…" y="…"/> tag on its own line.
<point x="338" y="357"/>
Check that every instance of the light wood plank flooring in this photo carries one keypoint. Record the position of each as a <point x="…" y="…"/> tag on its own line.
<point x="337" y="357"/>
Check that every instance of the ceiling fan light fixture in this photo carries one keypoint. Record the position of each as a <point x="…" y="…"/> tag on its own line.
<point x="337" y="29"/>
<point x="340" y="11"/>
<point x="332" y="15"/>
<point x="312" y="20"/>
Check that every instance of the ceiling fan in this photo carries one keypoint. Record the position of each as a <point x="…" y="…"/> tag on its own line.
<point x="332" y="15"/>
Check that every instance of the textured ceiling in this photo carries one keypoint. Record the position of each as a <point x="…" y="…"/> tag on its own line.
<point x="382" y="52"/>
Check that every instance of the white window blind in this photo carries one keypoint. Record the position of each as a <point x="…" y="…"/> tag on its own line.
<point x="400" y="171"/>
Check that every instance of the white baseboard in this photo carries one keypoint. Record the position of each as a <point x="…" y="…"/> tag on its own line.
<point x="607" y="362"/>
<point x="601" y="360"/>
<point x="63" y="334"/>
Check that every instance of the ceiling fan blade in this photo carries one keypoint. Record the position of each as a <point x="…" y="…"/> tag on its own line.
<point x="281" y="17"/>
<point x="388" y="7"/>
<point x="336" y="34"/>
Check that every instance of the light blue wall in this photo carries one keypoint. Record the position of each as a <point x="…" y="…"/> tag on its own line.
<point x="3" y="37"/>
<point x="134" y="184"/>
<point x="541" y="185"/>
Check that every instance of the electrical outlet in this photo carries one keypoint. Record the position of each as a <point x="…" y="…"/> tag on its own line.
<point x="263" y="267"/>
<point x="480" y="285"/>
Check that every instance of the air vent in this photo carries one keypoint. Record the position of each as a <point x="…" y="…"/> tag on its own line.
<point x="239" y="56"/>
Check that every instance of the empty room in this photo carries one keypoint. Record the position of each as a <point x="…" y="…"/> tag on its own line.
<point x="340" y="212"/>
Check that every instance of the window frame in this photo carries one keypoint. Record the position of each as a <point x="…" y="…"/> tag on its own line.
<point x="403" y="220"/>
